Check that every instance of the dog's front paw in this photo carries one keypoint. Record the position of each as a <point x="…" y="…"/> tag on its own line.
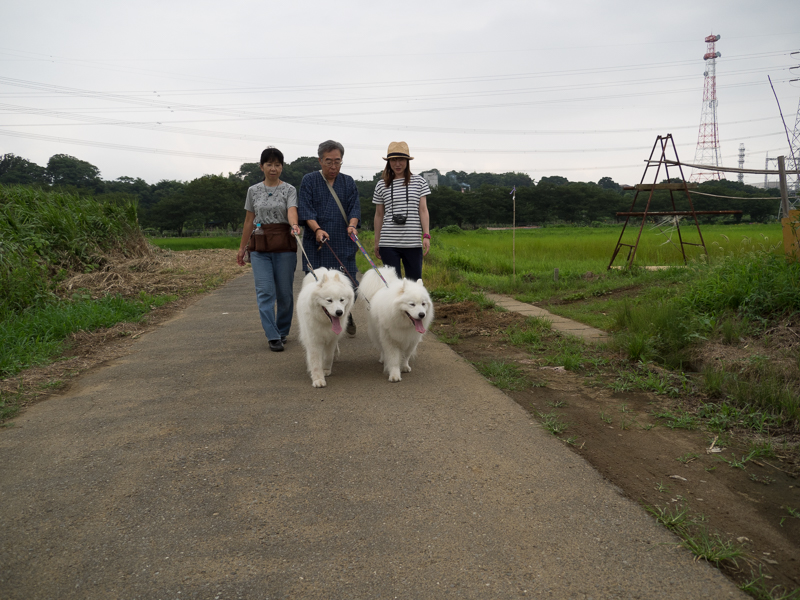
<point x="327" y="372"/>
<point x="394" y="375"/>
<point x="406" y="368"/>
<point x="318" y="383"/>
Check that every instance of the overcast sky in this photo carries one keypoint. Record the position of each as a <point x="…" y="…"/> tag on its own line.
<point x="176" y="89"/>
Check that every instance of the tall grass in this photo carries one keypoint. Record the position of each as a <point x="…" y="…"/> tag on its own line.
<point x="43" y="234"/>
<point x="581" y="249"/>
<point x="483" y="258"/>
<point x="757" y="284"/>
<point x="661" y="315"/>
<point x="44" y="237"/>
<point x="35" y="335"/>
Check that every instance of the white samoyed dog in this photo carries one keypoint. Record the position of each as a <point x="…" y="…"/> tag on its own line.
<point x="399" y="315"/>
<point x="323" y="306"/>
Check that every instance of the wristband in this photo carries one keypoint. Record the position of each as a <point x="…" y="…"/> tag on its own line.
<point x="426" y="236"/>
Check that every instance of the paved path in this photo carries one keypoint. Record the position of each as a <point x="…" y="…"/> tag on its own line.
<point x="562" y="324"/>
<point x="204" y="466"/>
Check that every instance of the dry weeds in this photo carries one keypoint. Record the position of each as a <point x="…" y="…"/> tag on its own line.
<point x="153" y="271"/>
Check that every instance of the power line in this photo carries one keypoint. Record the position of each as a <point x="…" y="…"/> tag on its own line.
<point x="317" y="120"/>
<point x="5" y="132"/>
<point x="159" y="125"/>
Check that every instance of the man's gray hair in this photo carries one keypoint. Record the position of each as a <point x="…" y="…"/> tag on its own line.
<point x="328" y="146"/>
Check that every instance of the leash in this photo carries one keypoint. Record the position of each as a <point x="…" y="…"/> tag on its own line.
<point x="326" y="241"/>
<point x="354" y="237"/>
<point x="308" y="262"/>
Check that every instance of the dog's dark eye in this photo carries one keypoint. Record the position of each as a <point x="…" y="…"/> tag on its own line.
<point x="412" y="303"/>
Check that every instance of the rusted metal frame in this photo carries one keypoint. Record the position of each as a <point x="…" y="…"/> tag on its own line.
<point x="689" y="197"/>
<point x="632" y="256"/>
<point x="664" y="141"/>
<point x="627" y="218"/>
<point x="621" y="233"/>
<point x="678" y="226"/>
<point x="630" y="249"/>
<point x="693" y="212"/>
<point x="672" y="200"/>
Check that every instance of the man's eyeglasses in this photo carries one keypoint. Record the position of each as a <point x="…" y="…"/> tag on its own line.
<point x="332" y="162"/>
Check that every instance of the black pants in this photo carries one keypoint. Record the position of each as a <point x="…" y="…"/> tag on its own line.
<point x="411" y="259"/>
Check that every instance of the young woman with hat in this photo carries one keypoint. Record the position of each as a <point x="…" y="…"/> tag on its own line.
<point x="402" y="225"/>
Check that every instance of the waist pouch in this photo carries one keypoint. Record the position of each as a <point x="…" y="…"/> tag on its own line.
<point x="277" y="238"/>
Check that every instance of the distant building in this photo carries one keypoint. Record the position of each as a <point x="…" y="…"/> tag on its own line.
<point x="432" y="177"/>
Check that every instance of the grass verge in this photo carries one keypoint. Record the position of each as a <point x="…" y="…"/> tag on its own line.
<point x="36" y="335"/>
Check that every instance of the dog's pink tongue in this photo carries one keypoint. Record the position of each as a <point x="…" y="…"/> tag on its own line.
<point x="337" y="327"/>
<point x="419" y="326"/>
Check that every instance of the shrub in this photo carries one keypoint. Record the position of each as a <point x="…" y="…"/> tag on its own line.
<point x="757" y="285"/>
<point x="44" y="232"/>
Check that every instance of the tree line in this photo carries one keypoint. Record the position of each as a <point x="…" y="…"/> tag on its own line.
<point x="464" y="199"/>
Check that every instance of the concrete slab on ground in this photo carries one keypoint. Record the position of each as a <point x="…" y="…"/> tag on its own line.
<point x="562" y="324"/>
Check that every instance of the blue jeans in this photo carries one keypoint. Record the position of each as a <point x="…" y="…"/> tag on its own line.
<point x="273" y="273"/>
<point x="411" y="259"/>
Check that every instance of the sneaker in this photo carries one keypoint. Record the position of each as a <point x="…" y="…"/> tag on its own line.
<point x="283" y="340"/>
<point x="351" y="326"/>
<point x="276" y="345"/>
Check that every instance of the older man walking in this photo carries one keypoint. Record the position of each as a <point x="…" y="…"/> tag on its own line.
<point x="323" y="217"/>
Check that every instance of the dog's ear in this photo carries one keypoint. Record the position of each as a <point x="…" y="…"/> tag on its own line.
<point x="323" y="279"/>
<point x="419" y="281"/>
<point x="336" y="276"/>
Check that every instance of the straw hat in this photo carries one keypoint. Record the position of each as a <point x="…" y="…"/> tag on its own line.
<point x="398" y="150"/>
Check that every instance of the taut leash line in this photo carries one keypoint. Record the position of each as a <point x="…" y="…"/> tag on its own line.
<point x="308" y="262"/>
<point x="354" y="237"/>
<point x="326" y="241"/>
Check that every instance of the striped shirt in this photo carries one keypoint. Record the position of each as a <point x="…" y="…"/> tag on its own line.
<point x="408" y="235"/>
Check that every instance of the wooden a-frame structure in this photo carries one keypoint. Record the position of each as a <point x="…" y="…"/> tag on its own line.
<point x="663" y="144"/>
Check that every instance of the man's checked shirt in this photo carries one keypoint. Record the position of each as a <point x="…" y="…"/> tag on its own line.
<point x="316" y="202"/>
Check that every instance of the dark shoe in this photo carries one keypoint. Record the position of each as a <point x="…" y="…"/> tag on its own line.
<point x="283" y="339"/>
<point x="351" y="326"/>
<point x="276" y="345"/>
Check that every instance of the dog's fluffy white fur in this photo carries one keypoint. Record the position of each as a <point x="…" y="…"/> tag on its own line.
<point x="399" y="315"/>
<point x="323" y="306"/>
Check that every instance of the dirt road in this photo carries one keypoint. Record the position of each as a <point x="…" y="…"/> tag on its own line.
<point x="204" y="466"/>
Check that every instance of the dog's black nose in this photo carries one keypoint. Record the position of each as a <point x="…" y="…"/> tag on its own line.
<point x="339" y="313"/>
<point x="422" y="315"/>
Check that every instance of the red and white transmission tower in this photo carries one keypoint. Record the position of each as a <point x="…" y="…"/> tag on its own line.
<point x="707" y="152"/>
<point x="793" y="162"/>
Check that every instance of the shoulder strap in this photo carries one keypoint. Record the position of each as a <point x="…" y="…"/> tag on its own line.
<point x="335" y="197"/>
